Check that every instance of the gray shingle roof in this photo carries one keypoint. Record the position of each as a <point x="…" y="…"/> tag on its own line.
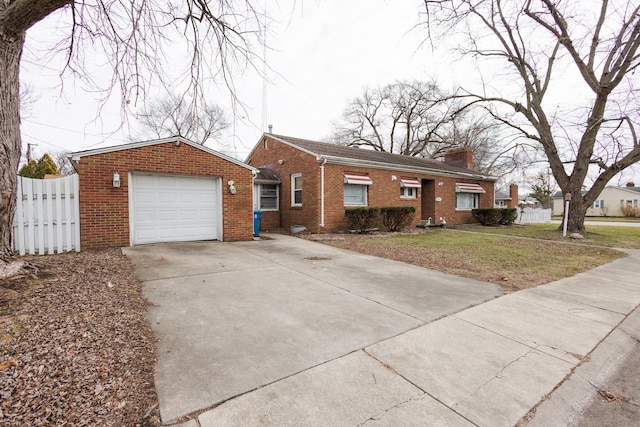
<point x="501" y="195"/>
<point x="324" y="149"/>
<point x="266" y="176"/>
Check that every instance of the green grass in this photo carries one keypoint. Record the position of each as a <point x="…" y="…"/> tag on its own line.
<point x="604" y="218"/>
<point x="603" y="235"/>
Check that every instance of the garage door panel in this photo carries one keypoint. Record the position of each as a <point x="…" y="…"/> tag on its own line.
<point x="169" y="208"/>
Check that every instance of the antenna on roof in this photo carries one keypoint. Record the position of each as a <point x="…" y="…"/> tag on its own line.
<point x="264" y="72"/>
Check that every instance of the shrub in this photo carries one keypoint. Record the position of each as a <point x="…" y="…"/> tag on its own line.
<point x="487" y="216"/>
<point x="396" y="218"/>
<point x="628" y="210"/>
<point x="362" y="219"/>
<point x="509" y="216"/>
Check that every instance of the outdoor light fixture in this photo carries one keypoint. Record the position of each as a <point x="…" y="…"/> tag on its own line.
<point x="232" y="189"/>
<point x="116" y="179"/>
<point x="394" y="178"/>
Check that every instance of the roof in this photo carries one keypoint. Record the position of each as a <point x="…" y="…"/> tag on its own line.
<point x="266" y="176"/>
<point x="559" y="195"/>
<point x="75" y="157"/>
<point x="339" y="154"/>
<point x="501" y="195"/>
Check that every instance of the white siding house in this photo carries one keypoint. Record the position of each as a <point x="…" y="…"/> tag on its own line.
<point x="611" y="201"/>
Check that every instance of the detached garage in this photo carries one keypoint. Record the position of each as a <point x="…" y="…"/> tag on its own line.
<point x="164" y="190"/>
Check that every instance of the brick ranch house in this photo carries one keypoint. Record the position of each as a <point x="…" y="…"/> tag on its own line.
<point x="312" y="183"/>
<point x="163" y="190"/>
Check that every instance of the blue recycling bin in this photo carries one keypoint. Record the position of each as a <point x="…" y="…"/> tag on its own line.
<point x="257" y="214"/>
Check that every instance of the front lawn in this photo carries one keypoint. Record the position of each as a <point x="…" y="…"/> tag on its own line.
<point x="513" y="263"/>
<point x="600" y="235"/>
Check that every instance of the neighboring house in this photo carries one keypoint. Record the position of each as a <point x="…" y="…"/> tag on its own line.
<point x="164" y="190"/>
<point x="507" y="200"/>
<point x="611" y="201"/>
<point x="318" y="181"/>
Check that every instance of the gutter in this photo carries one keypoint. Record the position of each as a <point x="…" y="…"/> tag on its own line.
<point x="324" y="161"/>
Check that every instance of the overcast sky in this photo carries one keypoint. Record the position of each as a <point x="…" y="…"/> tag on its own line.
<point x="322" y="54"/>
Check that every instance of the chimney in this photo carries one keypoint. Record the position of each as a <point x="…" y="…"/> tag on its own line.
<point x="631" y="184"/>
<point x="462" y="157"/>
<point x="513" y="193"/>
<point x="270" y="128"/>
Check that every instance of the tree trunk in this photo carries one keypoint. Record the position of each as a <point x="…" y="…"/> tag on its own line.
<point x="577" y="211"/>
<point x="10" y="142"/>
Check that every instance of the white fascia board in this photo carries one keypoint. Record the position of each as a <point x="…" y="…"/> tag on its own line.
<point x="411" y="169"/>
<point x="175" y="139"/>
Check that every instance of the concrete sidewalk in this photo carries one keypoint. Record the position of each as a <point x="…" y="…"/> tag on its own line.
<point x="488" y="365"/>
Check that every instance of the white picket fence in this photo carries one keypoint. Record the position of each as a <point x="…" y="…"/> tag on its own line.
<point x="530" y="215"/>
<point x="47" y="218"/>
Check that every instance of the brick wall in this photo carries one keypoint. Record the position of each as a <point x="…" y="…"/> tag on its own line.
<point x="384" y="191"/>
<point x="104" y="210"/>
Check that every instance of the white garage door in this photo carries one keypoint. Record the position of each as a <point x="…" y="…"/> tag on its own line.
<point x="174" y="208"/>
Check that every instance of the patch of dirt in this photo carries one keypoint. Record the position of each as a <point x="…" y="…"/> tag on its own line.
<point x="432" y="258"/>
<point x="75" y="346"/>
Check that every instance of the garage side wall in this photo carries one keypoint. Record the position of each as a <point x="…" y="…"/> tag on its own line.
<point x="104" y="209"/>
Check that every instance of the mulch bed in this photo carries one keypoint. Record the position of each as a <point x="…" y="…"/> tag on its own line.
<point x="75" y="346"/>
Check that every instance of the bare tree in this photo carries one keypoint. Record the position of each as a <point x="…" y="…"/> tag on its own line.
<point x="494" y="152"/>
<point x="132" y="37"/>
<point x="176" y="115"/>
<point x="64" y="164"/>
<point x="418" y="119"/>
<point x="402" y="118"/>
<point x="591" y="47"/>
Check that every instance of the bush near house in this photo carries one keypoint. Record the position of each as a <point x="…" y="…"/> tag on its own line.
<point x="494" y="216"/>
<point x="509" y="216"/>
<point x="392" y="218"/>
<point x="628" y="210"/>
<point x="395" y="218"/>
<point x="362" y="219"/>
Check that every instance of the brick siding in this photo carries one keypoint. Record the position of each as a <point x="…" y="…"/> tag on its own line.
<point x="384" y="191"/>
<point x="104" y="209"/>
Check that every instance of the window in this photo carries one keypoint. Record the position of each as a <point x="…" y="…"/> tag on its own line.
<point x="355" y="189"/>
<point x="355" y="195"/>
<point x="268" y="197"/>
<point x="598" y="204"/>
<point x="296" y="189"/>
<point x="466" y="201"/>
<point x="467" y="195"/>
<point x="408" y="192"/>
<point x="409" y="188"/>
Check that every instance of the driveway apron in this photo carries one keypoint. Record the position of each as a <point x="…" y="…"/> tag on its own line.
<point x="233" y="317"/>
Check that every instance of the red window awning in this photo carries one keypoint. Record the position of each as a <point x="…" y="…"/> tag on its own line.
<point x="464" y="187"/>
<point x="352" y="178"/>
<point x="410" y="183"/>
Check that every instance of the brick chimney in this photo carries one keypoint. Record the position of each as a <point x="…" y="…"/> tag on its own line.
<point x="462" y="157"/>
<point x="631" y="184"/>
<point x="513" y="193"/>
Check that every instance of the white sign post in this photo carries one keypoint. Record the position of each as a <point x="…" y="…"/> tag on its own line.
<point x="567" y="200"/>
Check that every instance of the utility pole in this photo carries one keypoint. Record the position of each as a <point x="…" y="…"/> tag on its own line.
<point x="29" y="150"/>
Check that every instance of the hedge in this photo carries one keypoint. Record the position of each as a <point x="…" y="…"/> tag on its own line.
<point x="392" y="218"/>
<point x="495" y="216"/>
<point x="362" y="219"/>
<point x="395" y="218"/>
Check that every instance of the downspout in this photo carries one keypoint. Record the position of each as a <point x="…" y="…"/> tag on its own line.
<point x="322" y="191"/>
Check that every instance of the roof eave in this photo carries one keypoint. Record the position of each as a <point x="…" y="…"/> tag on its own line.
<point x="76" y="156"/>
<point x="378" y="165"/>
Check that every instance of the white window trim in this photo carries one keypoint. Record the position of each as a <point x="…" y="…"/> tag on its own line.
<point x="366" y="195"/>
<point x="475" y="195"/>
<point x="404" y="191"/>
<point x="259" y="196"/>
<point x="293" y="190"/>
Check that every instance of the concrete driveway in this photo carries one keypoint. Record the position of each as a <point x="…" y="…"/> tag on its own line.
<point x="233" y="317"/>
